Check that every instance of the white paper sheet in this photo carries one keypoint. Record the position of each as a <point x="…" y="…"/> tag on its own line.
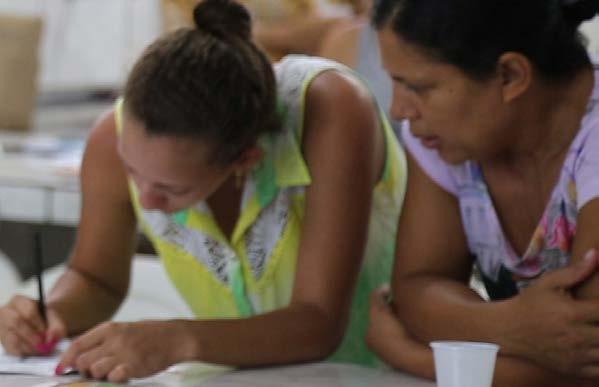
<point x="32" y="365"/>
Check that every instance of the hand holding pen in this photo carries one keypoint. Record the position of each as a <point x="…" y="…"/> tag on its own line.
<point x="27" y="326"/>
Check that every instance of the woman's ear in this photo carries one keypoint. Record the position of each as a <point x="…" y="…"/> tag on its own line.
<point x="515" y="72"/>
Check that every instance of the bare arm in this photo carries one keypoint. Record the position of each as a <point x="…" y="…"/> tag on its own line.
<point x="344" y="149"/>
<point x="434" y="302"/>
<point x="98" y="270"/>
<point x="433" y="266"/>
<point x="388" y="337"/>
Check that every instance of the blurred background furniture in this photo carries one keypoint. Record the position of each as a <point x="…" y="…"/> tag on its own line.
<point x="281" y="27"/>
<point x="18" y="69"/>
<point x="85" y="50"/>
<point x="88" y="44"/>
<point x="9" y="279"/>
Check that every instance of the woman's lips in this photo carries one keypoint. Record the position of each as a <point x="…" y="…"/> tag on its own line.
<point x="431" y="142"/>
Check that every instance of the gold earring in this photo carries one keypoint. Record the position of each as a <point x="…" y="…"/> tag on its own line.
<point x="239" y="177"/>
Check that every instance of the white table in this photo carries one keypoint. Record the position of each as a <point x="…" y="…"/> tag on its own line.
<point x="39" y="169"/>
<point x="308" y="375"/>
<point x="39" y="179"/>
<point x="152" y="296"/>
<point x="39" y="191"/>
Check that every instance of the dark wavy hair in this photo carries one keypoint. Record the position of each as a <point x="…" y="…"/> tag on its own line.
<point x="209" y="83"/>
<point x="473" y="34"/>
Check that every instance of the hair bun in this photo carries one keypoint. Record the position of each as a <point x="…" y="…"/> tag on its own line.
<point x="577" y="11"/>
<point x="223" y="18"/>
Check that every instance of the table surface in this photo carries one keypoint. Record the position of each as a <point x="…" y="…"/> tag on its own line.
<point x="308" y="375"/>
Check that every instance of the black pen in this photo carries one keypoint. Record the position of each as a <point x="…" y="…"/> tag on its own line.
<point x="39" y="269"/>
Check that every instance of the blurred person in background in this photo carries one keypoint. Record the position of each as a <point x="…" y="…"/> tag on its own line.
<point x="281" y="27"/>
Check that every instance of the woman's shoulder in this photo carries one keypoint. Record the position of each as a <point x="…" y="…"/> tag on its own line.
<point x="304" y="64"/>
<point x="582" y="161"/>
<point x="104" y="131"/>
<point x="588" y="134"/>
<point x="295" y="72"/>
<point x="303" y="80"/>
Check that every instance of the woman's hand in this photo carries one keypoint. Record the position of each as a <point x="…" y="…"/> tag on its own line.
<point x="387" y="336"/>
<point x="554" y="329"/>
<point x="23" y="332"/>
<point x="120" y="351"/>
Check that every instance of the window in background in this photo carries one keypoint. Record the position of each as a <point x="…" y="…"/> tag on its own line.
<point x="89" y="44"/>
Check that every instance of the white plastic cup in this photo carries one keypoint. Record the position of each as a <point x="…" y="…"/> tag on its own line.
<point x="464" y="364"/>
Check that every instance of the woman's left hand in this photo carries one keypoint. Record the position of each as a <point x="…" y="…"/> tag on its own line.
<point x="385" y="331"/>
<point x="119" y="351"/>
<point x="389" y="338"/>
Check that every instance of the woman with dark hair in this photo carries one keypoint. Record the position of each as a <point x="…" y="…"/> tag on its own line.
<point x="502" y="127"/>
<point x="269" y="195"/>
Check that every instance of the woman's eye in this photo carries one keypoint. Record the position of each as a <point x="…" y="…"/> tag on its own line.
<point x="418" y="89"/>
<point x="408" y="87"/>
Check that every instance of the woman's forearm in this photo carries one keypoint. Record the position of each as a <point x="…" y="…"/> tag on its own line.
<point x="544" y="324"/>
<point x="82" y="302"/>
<point x="439" y="309"/>
<point x="514" y="372"/>
<point x="294" y="334"/>
<point x="417" y="358"/>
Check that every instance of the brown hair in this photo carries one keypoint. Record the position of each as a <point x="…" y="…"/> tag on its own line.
<point x="472" y="35"/>
<point x="209" y="83"/>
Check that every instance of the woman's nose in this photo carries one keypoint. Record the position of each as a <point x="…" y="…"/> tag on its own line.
<point x="150" y="199"/>
<point x="403" y="106"/>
